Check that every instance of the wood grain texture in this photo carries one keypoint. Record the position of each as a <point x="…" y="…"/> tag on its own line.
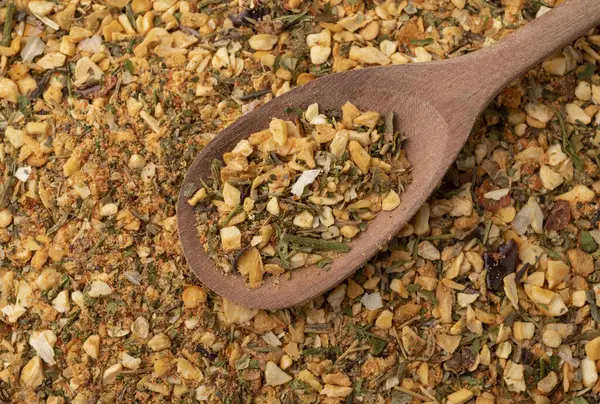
<point x="435" y="105"/>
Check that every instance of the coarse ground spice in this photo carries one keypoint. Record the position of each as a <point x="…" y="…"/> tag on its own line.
<point x="103" y="104"/>
<point x="295" y="194"/>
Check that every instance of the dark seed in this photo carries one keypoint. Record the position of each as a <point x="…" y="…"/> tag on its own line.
<point x="251" y="13"/>
<point x="460" y="361"/>
<point x="527" y="356"/>
<point x="202" y="351"/>
<point x="500" y="264"/>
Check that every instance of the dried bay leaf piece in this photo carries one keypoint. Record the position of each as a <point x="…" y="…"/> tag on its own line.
<point x="559" y="217"/>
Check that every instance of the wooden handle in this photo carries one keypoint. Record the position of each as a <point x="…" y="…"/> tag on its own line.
<point x="496" y="66"/>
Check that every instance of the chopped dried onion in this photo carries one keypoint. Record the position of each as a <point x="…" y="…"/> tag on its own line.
<point x="23" y="173"/>
<point x="92" y="45"/>
<point x="110" y="120"/>
<point x="530" y="215"/>
<point x="41" y="345"/>
<point x="537" y="221"/>
<point x="100" y="288"/>
<point x="319" y="120"/>
<point x="34" y="47"/>
<point x="48" y="22"/>
<point x="127" y="77"/>
<point x="133" y="277"/>
<point x="569" y="359"/>
<point x="305" y="179"/>
<point x="372" y="301"/>
<point x="271" y="339"/>
<point x="497" y="194"/>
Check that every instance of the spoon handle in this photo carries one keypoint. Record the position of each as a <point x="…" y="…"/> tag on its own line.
<point x="496" y="66"/>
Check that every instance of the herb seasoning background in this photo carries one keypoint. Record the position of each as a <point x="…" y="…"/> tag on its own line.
<point x="104" y="103"/>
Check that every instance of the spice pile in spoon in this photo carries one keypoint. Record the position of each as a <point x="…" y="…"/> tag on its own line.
<point x="296" y="193"/>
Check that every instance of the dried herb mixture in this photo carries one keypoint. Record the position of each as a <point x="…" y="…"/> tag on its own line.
<point x="105" y="103"/>
<point x="291" y="195"/>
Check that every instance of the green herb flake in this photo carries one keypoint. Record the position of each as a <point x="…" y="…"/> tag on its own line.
<point x="128" y="65"/>
<point x="587" y="72"/>
<point x="471" y="381"/>
<point x="566" y="143"/>
<point x="413" y="288"/>
<point x="319" y="244"/>
<point x="297" y="384"/>
<point x="594" y="311"/>
<point x="324" y="262"/>
<point x="421" y="42"/>
<point x="377" y="345"/>
<point x="8" y="23"/>
<point x="588" y="244"/>
<point x="24" y="104"/>
<point x="242" y="363"/>
<point x="111" y="308"/>
<point x="551" y="253"/>
<point x="430" y="296"/>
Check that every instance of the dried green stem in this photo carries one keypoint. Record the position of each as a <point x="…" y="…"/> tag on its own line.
<point x="230" y="215"/>
<point x="324" y="245"/>
<point x="8" y="23"/>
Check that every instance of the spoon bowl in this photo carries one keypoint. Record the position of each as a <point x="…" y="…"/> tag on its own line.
<point x="416" y="118"/>
<point x="434" y="104"/>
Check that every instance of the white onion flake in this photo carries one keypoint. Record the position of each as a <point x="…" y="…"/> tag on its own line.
<point x="305" y="179"/>
<point x="110" y="120"/>
<point x="13" y="312"/>
<point x="523" y="219"/>
<point x="497" y="194"/>
<point x="530" y="215"/>
<point x="537" y="222"/>
<point x="23" y="173"/>
<point x="44" y="350"/>
<point x="47" y="21"/>
<point x="92" y="45"/>
<point x="271" y="339"/>
<point x="569" y="359"/>
<point x="133" y="277"/>
<point x="372" y="301"/>
<point x="34" y="47"/>
<point x="319" y="120"/>
<point x="100" y="288"/>
<point x="127" y="77"/>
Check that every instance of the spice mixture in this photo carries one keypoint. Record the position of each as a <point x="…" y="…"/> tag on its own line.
<point x="489" y="295"/>
<point x="290" y="195"/>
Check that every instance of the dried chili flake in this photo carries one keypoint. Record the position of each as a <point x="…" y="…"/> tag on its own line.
<point x="559" y="217"/>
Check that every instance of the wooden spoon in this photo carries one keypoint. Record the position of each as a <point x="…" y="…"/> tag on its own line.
<point x="435" y="105"/>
